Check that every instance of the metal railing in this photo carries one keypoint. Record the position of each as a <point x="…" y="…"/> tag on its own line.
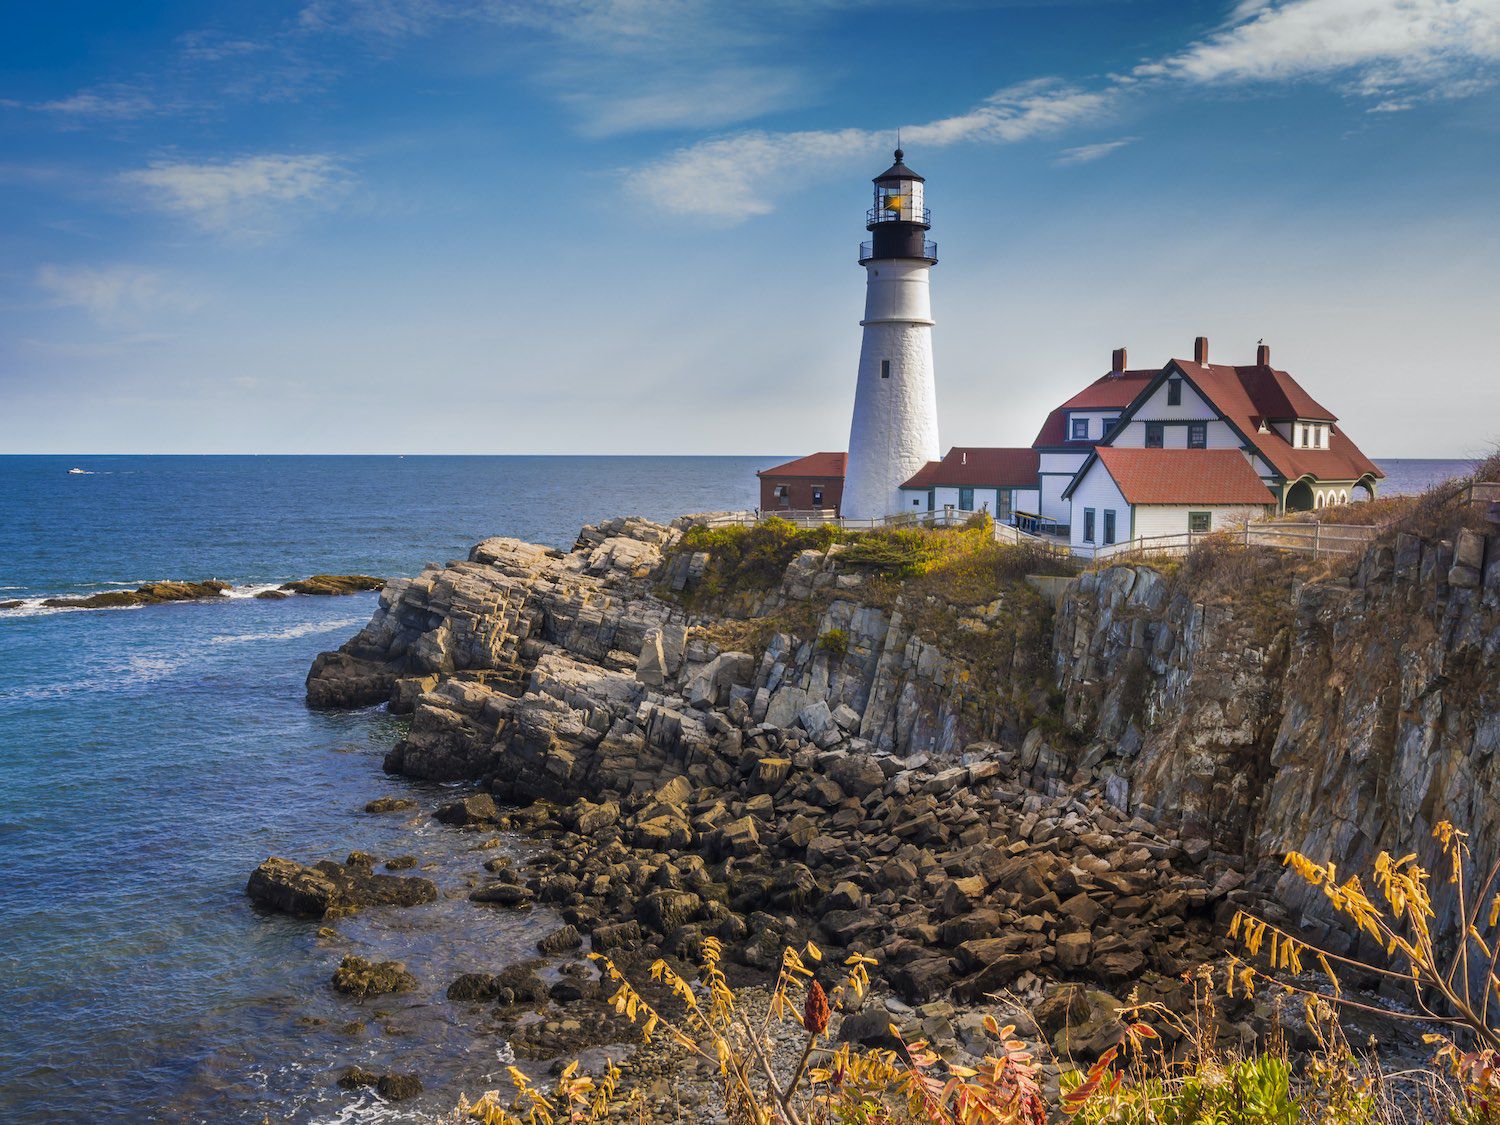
<point x="867" y="251"/>
<point x="1315" y="538"/>
<point x="885" y="215"/>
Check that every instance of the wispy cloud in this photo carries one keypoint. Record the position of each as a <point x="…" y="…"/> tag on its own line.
<point x="737" y="177"/>
<point x="119" y="101"/>
<point x="1424" y="47"/>
<point x="620" y="66"/>
<point x="246" y="198"/>
<point x="1085" y="154"/>
<point x="115" y="295"/>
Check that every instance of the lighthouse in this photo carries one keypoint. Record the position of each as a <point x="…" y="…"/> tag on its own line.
<point x="894" y="432"/>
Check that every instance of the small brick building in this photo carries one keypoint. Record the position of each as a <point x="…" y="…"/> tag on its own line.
<point x="811" y="483"/>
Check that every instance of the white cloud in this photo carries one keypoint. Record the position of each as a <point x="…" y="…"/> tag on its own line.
<point x="112" y="295"/>
<point x="118" y="101"/>
<point x="736" y="177"/>
<point x="246" y="198"/>
<point x="1432" y="46"/>
<point x="1084" y="154"/>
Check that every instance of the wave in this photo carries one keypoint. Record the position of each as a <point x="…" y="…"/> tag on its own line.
<point x="135" y="671"/>
<point x="291" y="632"/>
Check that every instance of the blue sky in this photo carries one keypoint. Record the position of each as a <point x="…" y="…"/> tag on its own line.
<point x="529" y="227"/>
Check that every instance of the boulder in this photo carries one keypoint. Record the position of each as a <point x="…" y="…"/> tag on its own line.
<point x="360" y="978"/>
<point x="390" y="804"/>
<point x="398" y="1087"/>
<point x="561" y="940"/>
<point x="292" y="888"/>
<point x="478" y="808"/>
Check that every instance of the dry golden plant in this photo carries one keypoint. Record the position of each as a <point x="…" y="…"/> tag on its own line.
<point x="825" y="1083"/>
<point x="1455" y="989"/>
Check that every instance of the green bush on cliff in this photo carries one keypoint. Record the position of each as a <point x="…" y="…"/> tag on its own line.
<point x="835" y="641"/>
<point x="753" y="556"/>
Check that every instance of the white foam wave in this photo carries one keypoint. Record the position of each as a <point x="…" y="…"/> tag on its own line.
<point x="251" y="591"/>
<point x="34" y="607"/>
<point x="291" y="632"/>
<point x="136" y="671"/>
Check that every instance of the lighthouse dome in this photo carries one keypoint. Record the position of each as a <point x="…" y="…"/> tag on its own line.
<point x="899" y="171"/>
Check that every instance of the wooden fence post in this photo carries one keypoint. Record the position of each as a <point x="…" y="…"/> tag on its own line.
<point x="1317" y="534"/>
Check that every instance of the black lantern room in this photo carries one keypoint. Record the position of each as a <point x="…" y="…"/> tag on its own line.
<point x="898" y="223"/>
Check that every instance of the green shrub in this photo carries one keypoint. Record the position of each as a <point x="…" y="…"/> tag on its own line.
<point x="835" y="641"/>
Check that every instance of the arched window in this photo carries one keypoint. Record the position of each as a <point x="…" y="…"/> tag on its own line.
<point x="1317" y="499"/>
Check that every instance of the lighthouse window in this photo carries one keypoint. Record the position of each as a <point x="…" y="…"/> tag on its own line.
<point x="885" y="369"/>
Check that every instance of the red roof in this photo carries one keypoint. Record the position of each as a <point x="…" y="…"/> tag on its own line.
<point x="1114" y="391"/>
<point x="1184" y="476"/>
<point x="982" y="468"/>
<point x="1249" y="395"/>
<point x="825" y="465"/>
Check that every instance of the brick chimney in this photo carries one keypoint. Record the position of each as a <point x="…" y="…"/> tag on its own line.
<point x="1200" y="350"/>
<point x="1118" y="360"/>
<point x="1263" y="355"/>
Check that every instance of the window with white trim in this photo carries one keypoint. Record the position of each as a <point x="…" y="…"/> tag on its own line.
<point x="1200" y="522"/>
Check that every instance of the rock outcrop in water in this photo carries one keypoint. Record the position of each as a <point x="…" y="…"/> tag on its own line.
<point x="152" y="593"/>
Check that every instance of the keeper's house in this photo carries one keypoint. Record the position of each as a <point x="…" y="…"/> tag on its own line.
<point x="1192" y="446"/>
<point x="999" y="481"/>
<point x="813" y="483"/>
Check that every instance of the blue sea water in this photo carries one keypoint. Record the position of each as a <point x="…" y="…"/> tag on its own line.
<point x="150" y="758"/>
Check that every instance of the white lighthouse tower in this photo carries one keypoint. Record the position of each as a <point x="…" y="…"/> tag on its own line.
<point x="894" y="432"/>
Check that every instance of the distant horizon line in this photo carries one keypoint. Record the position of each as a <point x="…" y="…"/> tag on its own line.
<point x="560" y="456"/>
<point x="578" y="456"/>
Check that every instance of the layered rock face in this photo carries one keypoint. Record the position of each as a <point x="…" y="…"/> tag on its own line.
<point x="525" y="646"/>
<point x="1352" y="721"/>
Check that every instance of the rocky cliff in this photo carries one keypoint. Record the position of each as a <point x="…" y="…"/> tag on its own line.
<point x="891" y="745"/>
<point x="1278" y="706"/>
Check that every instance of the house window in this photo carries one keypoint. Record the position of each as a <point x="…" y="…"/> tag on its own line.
<point x="966" y="499"/>
<point x="1200" y="521"/>
<point x="1174" y="392"/>
<point x="1109" y="424"/>
<point x="1156" y="435"/>
<point x="1080" y="429"/>
<point x="817" y="497"/>
<point x="1197" y="435"/>
<point x="885" y="369"/>
<point x="1109" y="525"/>
<point x="917" y="502"/>
<point x="1088" y="525"/>
<point x="781" y="494"/>
<point x="1005" y="505"/>
<point x="1318" y="432"/>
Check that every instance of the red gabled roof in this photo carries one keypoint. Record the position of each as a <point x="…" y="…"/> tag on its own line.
<point x="824" y="465"/>
<point x="1184" y="476"/>
<point x="1247" y="396"/>
<point x="1113" y="391"/>
<point x="982" y="468"/>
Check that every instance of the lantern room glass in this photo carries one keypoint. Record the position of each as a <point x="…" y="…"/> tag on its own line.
<point x="898" y="201"/>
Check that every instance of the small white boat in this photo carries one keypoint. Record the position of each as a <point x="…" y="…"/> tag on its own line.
<point x="78" y="473"/>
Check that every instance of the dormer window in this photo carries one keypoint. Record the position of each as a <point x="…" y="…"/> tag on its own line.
<point x="1174" y="392"/>
<point x="1080" y="429"/>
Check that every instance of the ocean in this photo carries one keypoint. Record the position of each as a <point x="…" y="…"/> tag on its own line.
<point x="151" y="757"/>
